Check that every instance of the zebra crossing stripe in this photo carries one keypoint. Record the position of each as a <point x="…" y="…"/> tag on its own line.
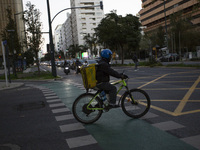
<point x="64" y="117"/>
<point x="53" y="100"/>
<point x="56" y="105"/>
<point x="51" y="97"/>
<point x="59" y="110"/>
<point x="80" y="141"/>
<point x="49" y="94"/>
<point x="71" y="127"/>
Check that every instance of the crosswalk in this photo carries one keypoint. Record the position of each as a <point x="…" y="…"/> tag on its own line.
<point x="58" y="108"/>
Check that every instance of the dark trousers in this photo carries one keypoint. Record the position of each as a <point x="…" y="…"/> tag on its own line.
<point x="106" y="86"/>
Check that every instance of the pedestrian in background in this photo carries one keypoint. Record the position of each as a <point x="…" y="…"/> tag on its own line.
<point x="135" y="60"/>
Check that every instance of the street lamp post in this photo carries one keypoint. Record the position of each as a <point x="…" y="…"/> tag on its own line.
<point x="53" y="67"/>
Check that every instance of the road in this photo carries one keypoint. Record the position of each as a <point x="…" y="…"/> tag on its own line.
<point x="175" y="104"/>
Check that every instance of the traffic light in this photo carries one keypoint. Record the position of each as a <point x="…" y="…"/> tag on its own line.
<point x="101" y="5"/>
<point x="59" y="57"/>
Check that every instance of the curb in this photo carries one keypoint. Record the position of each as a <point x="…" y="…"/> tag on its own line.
<point x="10" y="85"/>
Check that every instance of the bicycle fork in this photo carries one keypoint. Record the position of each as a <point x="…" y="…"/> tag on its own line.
<point x="130" y="99"/>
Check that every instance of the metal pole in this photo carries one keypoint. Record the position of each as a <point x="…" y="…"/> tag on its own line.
<point x="53" y="67"/>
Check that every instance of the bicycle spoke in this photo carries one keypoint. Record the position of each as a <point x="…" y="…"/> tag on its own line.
<point x="139" y="106"/>
<point x="81" y="111"/>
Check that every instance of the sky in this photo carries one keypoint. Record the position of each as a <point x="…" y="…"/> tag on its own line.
<point x="123" y="7"/>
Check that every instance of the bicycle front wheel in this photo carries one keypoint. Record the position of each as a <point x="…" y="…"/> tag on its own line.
<point x="136" y="103"/>
<point x="80" y="111"/>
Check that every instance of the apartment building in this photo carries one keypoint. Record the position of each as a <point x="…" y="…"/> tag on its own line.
<point x="58" y="38"/>
<point x="84" y="20"/>
<point x="153" y="12"/>
<point x="17" y="8"/>
<point x="67" y="33"/>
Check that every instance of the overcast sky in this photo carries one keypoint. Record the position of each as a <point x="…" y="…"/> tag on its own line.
<point x="123" y="7"/>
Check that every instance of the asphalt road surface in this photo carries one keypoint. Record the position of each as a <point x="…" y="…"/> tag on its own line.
<point x="175" y="101"/>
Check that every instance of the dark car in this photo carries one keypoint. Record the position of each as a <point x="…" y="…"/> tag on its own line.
<point x="88" y="62"/>
<point x="170" y="57"/>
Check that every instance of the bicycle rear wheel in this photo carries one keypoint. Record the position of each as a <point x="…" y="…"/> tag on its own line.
<point x="137" y="108"/>
<point x="80" y="111"/>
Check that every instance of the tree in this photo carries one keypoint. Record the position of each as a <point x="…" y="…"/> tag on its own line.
<point x="47" y="57"/>
<point x="132" y="33"/>
<point x="29" y="57"/>
<point x="91" y="42"/>
<point x="33" y="30"/>
<point x="157" y="37"/>
<point x="74" y="49"/>
<point x="11" y="36"/>
<point x="183" y="33"/>
<point x="119" y="33"/>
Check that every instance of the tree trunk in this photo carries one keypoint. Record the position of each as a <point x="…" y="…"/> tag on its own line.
<point x="122" y="52"/>
<point x="37" y="63"/>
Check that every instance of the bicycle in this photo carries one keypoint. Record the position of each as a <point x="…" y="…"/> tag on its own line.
<point x="88" y="107"/>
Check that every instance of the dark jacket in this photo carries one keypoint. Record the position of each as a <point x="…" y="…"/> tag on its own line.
<point x="104" y="71"/>
<point x="135" y="60"/>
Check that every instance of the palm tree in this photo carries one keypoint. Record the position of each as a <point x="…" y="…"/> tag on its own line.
<point x="91" y="42"/>
<point x="75" y="50"/>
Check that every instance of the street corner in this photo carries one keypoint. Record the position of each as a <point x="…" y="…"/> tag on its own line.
<point x="6" y="86"/>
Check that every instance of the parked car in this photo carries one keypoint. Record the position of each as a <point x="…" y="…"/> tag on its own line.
<point x="91" y="62"/>
<point x="88" y="62"/>
<point x="169" y="57"/>
<point x="60" y="64"/>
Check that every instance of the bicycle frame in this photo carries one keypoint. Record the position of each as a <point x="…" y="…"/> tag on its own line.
<point x="123" y="84"/>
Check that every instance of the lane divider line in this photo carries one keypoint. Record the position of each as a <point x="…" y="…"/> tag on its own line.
<point x="186" y="97"/>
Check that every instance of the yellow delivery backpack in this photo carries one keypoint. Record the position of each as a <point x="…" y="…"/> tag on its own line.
<point x="89" y="76"/>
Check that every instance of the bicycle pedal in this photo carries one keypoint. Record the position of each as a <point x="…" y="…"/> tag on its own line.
<point x="106" y="108"/>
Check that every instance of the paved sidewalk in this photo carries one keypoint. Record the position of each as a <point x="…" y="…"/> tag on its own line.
<point x="11" y="85"/>
<point x="14" y="84"/>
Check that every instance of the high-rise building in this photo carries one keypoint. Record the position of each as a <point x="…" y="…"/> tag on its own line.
<point x="67" y="38"/>
<point x="16" y="7"/>
<point x="153" y="12"/>
<point x="58" y="38"/>
<point x="84" y="20"/>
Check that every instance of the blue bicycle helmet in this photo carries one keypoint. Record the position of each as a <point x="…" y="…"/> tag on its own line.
<point x="106" y="53"/>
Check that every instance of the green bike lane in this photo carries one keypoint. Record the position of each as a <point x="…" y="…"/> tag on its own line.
<point x="116" y="131"/>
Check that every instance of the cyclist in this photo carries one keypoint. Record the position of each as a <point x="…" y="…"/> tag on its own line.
<point x="103" y="73"/>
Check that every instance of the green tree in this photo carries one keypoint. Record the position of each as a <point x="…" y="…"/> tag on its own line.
<point x="91" y="42"/>
<point x="132" y="33"/>
<point x="33" y="30"/>
<point x="121" y="34"/>
<point x="75" y="50"/>
<point x="29" y="57"/>
<point x="183" y="33"/>
<point x="47" y="57"/>
<point x="11" y="36"/>
<point x="157" y="37"/>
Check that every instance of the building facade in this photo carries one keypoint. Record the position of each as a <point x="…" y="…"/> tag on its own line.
<point x="79" y="23"/>
<point x="17" y="8"/>
<point x="58" y="38"/>
<point x="153" y="12"/>
<point x="84" y="20"/>
<point x="67" y="33"/>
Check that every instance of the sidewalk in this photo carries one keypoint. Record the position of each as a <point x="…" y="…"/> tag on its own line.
<point x="13" y="84"/>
